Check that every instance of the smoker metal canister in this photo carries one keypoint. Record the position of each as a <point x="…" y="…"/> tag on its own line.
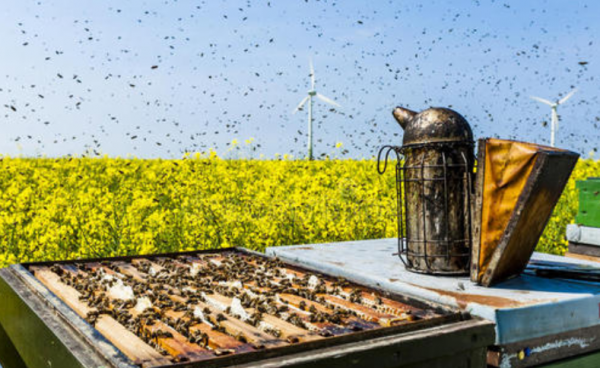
<point x="434" y="214"/>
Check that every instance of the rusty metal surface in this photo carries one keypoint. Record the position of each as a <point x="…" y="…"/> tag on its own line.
<point x="523" y="308"/>
<point x="436" y="124"/>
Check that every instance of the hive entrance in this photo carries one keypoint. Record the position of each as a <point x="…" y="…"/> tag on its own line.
<point x="196" y="307"/>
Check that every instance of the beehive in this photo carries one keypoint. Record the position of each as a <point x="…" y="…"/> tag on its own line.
<point x="224" y="307"/>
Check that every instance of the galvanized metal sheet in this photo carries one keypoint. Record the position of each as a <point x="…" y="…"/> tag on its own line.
<point x="583" y="235"/>
<point x="523" y="308"/>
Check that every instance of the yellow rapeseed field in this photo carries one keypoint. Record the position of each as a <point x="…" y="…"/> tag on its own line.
<point x="52" y="209"/>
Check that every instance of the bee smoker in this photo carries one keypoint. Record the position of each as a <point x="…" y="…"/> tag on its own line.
<point x="434" y="175"/>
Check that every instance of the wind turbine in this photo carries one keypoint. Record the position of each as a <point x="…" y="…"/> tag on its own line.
<point x="312" y="93"/>
<point x="554" y="105"/>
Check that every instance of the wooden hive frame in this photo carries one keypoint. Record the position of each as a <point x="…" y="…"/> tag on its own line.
<point x="222" y="347"/>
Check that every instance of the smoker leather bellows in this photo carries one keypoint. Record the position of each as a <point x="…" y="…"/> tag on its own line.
<point x="517" y="186"/>
<point x="434" y="186"/>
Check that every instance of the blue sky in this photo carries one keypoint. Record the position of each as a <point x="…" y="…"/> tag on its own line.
<point x="156" y="79"/>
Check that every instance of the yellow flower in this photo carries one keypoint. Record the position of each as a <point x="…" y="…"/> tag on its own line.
<point x="52" y="209"/>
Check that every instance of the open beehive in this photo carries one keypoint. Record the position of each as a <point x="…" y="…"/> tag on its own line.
<point x="224" y="307"/>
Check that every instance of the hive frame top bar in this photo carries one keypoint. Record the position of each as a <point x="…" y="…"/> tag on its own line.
<point x="111" y="353"/>
<point x="523" y="308"/>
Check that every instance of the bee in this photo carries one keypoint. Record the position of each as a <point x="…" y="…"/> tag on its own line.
<point x="160" y="334"/>
<point x="241" y="338"/>
<point x="57" y="269"/>
<point x="378" y="300"/>
<point x="200" y="339"/>
<point x="355" y="296"/>
<point x="92" y="317"/>
<point x="219" y="328"/>
<point x="291" y="339"/>
<point x="296" y="320"/>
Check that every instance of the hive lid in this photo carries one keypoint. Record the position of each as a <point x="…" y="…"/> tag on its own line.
<point x="518" y="184"/>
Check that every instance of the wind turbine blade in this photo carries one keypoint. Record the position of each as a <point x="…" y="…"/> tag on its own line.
<point x="564" y="99"/>
<point x="300" y="104"/>
<point x="312" y="74"/>
<point x="327" y="100"/>
<point x="542" y="100"/>
<point x="555" y="118"/>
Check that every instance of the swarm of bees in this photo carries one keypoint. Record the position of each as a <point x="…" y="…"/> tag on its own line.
<point x="171" y="295"/>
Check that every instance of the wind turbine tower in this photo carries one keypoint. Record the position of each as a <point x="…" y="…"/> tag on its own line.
<point x="312" y="93"/>
<point x="554" y="118"/>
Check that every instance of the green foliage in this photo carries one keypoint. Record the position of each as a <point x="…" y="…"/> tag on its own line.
<point x="53" y="209"/>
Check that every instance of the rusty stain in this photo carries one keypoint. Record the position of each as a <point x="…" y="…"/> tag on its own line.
<point x="302" y="248"/>
<point x="337" y="263"/>
<point x="393" y="280"/>
<point x="463" y="299"/>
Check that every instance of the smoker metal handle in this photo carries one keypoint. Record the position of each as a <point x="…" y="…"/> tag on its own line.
<point x="388" y="149"/>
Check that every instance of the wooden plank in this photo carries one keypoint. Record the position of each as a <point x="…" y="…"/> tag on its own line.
<point x="216" y="339"/>
<point x="364" y="312"/>
<point x="353" y="323"/>
<point x="128" y="269"/>
<point x="326" y="328"/>
<point x="234" y="327"/>
<point x="379" y="303"/>
<point x="582" y="257"/>
<point x="459" y="345"/>
<point x="476" y="211"/>
<point x="288" y="331"/>
<point x="383" y="306"/>
<point x="323" y="328"/>
<point x="132" y="346"/>
<point x="585" y="250"/>
<point x="177" y="345"/>
<point x="253" y="335"/>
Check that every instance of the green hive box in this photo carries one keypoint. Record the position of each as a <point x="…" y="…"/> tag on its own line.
<point x="589" y="202"/>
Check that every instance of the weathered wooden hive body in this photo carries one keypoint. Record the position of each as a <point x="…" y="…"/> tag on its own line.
<point x="199" y="310"/>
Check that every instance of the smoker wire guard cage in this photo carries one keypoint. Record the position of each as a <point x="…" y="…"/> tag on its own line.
<point x="405" y="239"/>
